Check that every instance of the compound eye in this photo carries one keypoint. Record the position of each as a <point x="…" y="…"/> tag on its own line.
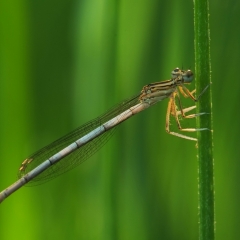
<point x="176" y="72"/>
<point x="187" y="76"/>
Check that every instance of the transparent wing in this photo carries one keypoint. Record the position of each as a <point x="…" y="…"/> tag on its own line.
<point x="80" y="155"/>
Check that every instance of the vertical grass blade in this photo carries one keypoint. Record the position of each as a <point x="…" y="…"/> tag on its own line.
<point x="205" y="144"/>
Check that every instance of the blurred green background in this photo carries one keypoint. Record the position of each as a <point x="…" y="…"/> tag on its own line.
<point x="65" y="62"/>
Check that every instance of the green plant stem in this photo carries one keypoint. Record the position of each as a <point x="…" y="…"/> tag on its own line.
<point x="205" y="145"/>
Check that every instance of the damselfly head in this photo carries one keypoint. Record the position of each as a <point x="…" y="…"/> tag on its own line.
<point x="187" y="76"/>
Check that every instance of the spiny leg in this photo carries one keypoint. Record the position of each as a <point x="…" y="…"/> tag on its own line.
<point x="171" y="109"/>
<point x="186" y="93"/>
<point x="174" y="111"/>
<point x="184" y="110"/>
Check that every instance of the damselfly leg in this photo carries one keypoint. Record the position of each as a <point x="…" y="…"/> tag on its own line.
<point x="172" y="110"/>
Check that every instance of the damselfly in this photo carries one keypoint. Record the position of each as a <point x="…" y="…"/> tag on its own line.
<point x="77" y="146"/>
